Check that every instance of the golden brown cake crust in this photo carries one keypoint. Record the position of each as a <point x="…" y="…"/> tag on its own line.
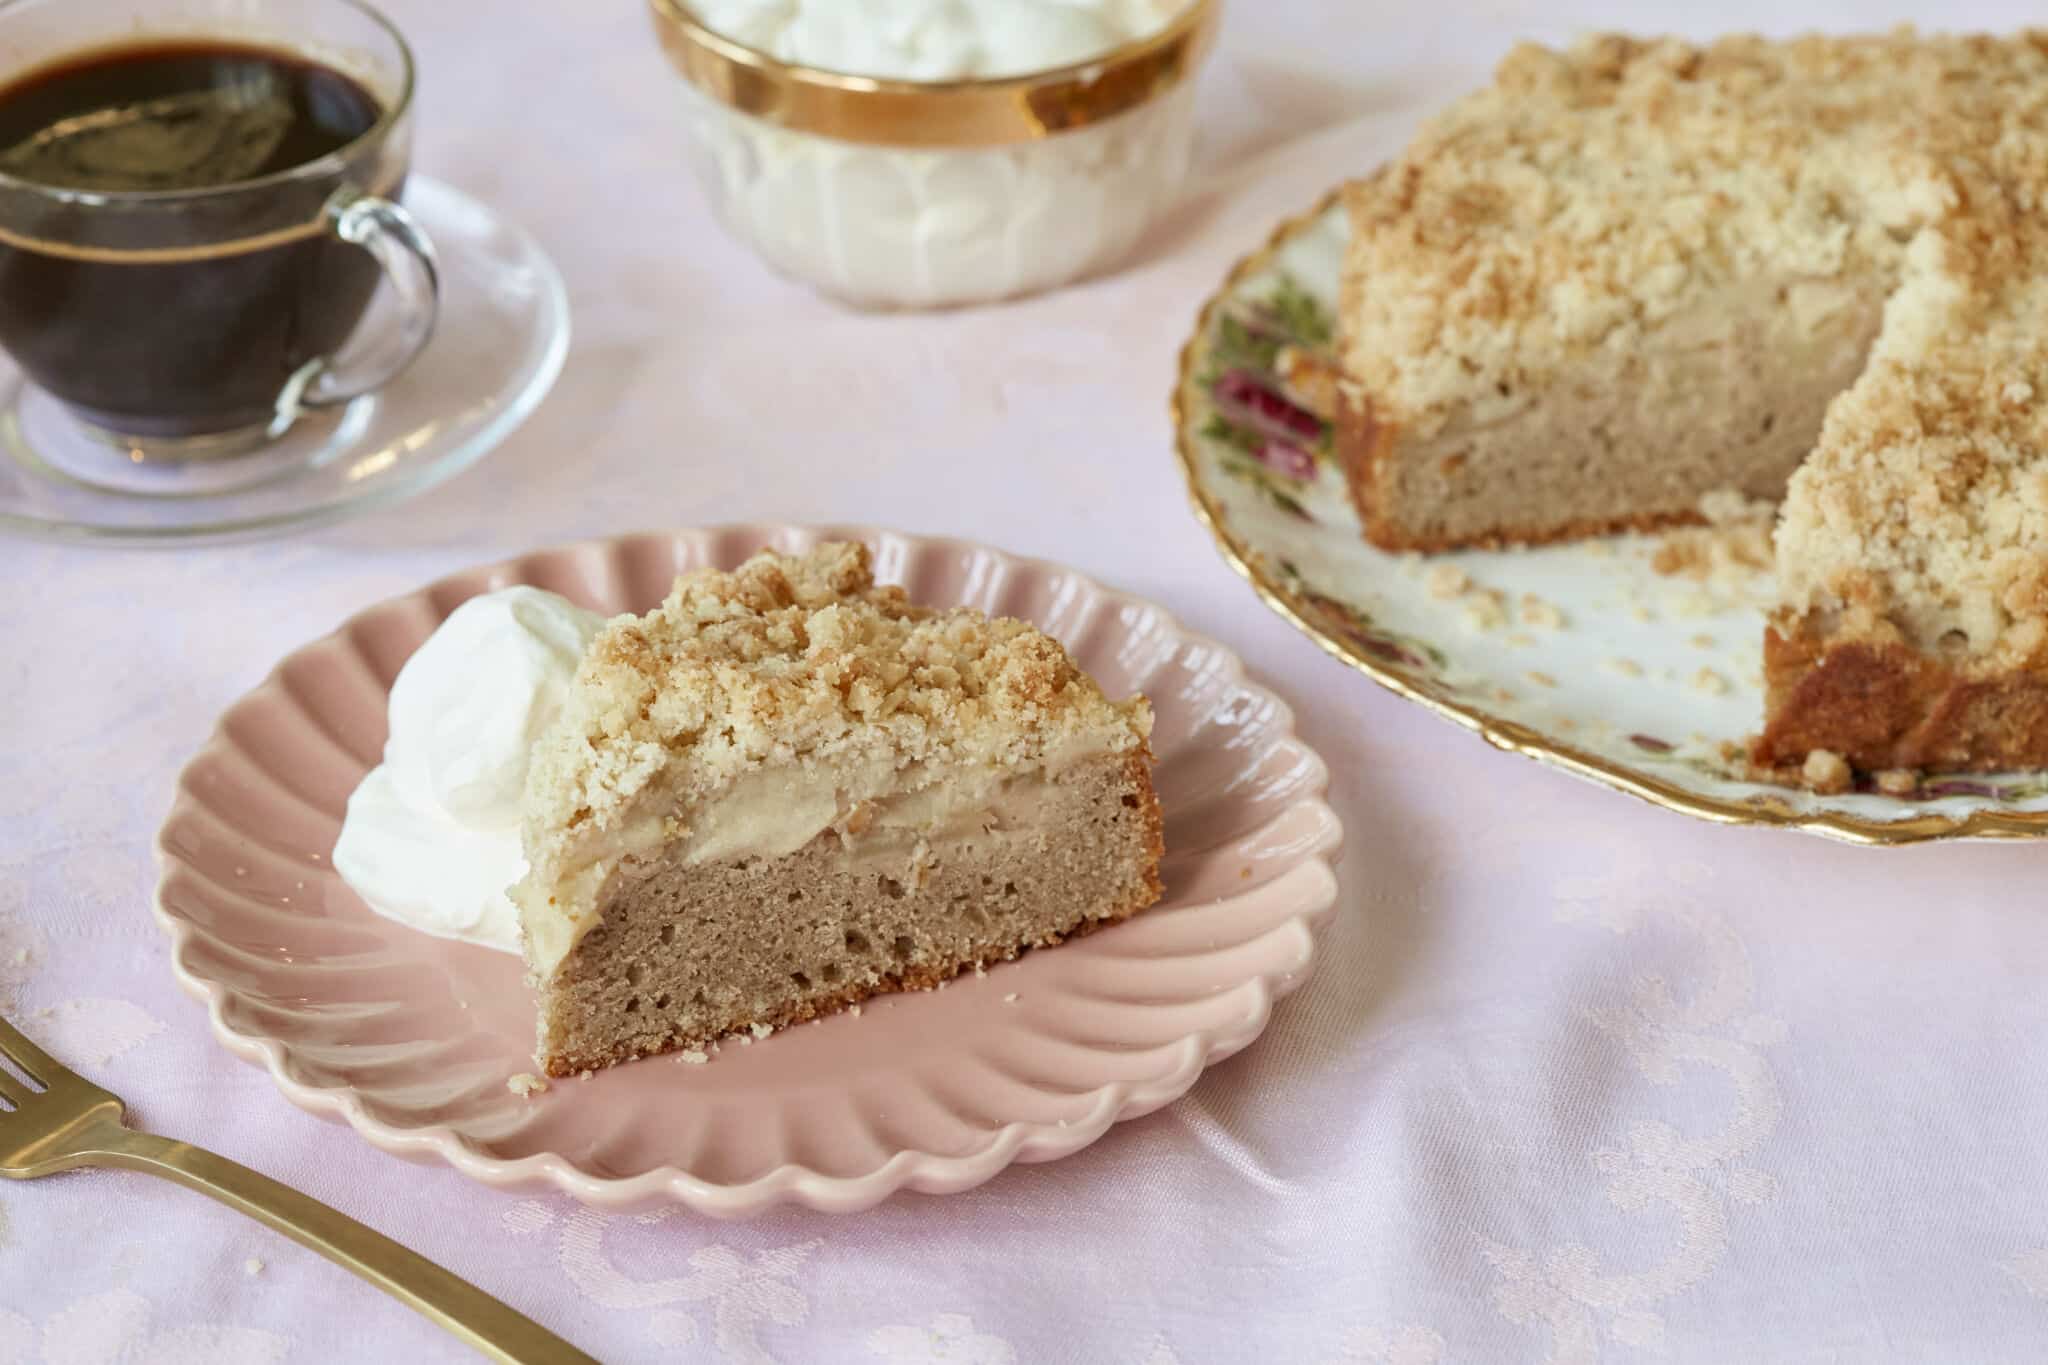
<point x="1881" y="704"/>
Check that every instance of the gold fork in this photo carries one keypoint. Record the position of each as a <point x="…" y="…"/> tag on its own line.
<point x="59" y="1121"/>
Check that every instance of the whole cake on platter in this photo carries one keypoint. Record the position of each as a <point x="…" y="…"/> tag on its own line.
<point x="786" y="789"/>
<point x="1635" y="277"/>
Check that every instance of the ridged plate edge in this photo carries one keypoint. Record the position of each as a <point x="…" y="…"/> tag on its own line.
<point x="1287" y="952"/>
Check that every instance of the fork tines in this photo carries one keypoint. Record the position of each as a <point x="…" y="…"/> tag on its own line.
<point x="32" y="1060"/>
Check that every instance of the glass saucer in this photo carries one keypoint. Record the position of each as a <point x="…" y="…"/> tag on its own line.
<point x="502" y="334"/>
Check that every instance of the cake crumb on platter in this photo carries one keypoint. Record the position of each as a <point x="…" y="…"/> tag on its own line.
<point x="1309" y="378"/>
<point x="526" y="1085"/>
<point x="1898" y="781"/>
<point x="1446" y="581"/>
<point x="1826" y="773"/>
<point x="1537" y="612"/>
<point x="1486" y="609"/>
<point x="252" y="1267"/>
<point x="1733" y="546"/>
<point x="693" y="1057"/>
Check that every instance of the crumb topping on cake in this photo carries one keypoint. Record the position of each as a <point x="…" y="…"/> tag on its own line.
<point x="1925" y="505"/>
<point x="794" y="657"/>
<point x="1594" y="198"/>
<point x="1590" y="195"/>
<point x="798" y="665"/>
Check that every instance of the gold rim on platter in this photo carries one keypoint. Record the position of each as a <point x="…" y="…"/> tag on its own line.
<point x="1765" y="809"/>
<point x="987" y="112"/>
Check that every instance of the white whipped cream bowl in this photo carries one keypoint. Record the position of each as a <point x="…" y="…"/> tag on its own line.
<point x="895" y="193"/>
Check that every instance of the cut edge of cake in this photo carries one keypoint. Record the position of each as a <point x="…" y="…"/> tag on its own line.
<point x="786" y="790"/>
<point x="1512" y="255"/>
<point x="856" y="934"/>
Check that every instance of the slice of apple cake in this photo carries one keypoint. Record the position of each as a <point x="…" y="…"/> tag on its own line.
<point x="787" y="789"/>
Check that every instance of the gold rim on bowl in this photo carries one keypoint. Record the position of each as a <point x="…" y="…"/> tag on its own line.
<point x="987" y="112"/>
<point x="1768" y="809"/>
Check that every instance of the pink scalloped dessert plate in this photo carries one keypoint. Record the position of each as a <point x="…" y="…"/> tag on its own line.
<point x="412" y="1039"/>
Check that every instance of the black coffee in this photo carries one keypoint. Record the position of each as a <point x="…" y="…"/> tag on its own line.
<point x="183" y="331"/>
<point x="177" y="117"/>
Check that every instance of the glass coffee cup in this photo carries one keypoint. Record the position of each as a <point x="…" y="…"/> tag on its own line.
<point x="198" y="200"/>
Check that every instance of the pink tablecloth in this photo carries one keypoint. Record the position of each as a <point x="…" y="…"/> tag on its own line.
<point x="1579" y="1080"/>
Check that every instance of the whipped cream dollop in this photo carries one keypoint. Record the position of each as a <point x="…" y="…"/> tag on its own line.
<point x="935" y="40"/>
<point x="431" y="838"/>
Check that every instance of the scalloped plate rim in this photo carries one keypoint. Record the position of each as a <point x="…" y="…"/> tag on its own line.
<point x="1111" y="1102"/>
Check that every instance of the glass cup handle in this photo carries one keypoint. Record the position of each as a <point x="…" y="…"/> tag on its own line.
<point x="394" y="237"/>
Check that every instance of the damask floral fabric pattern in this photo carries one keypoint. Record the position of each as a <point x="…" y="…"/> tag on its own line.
<point x="1577" y="1080"/>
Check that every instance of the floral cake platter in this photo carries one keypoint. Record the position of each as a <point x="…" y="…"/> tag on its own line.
<point x="1634" y="661"/>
